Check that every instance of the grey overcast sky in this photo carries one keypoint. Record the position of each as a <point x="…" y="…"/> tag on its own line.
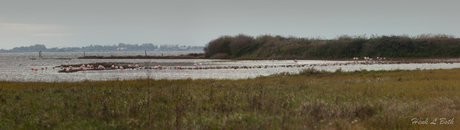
<point x="65" y="23"/>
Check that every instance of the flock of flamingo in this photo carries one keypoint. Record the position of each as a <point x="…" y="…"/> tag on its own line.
<point x="356" y="60"/>
<point x="368" y="59"/>
<point x="113" y="67"/>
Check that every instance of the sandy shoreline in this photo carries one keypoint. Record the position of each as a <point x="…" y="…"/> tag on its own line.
<point x="402" y="60"/>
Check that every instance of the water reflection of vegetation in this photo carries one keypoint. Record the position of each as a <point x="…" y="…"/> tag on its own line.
<point x="312" y="99"/>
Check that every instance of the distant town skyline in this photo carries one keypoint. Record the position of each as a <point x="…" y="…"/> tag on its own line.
<point x="105" y="48"/>
<point x="59" y="24"/>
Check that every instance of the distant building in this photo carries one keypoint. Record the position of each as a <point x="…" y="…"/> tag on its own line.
<point x="183" y="47"/>
<point x="121" y="48"/>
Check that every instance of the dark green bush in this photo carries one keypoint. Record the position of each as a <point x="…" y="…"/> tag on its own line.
<point x="279" y="47"/>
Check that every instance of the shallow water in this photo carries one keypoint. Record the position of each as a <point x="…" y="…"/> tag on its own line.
<point x="16" y="67"/>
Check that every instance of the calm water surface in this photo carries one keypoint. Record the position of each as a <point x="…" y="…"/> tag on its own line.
<point x="16" y="67"/>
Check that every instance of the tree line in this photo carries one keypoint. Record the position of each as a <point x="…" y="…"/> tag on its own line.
<point x="345" y="46"/>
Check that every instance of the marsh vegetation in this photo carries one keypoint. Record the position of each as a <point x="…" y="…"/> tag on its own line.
<point x="312" y="99"/>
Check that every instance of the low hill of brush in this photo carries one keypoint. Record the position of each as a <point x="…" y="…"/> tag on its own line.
<point x="345" y="46"/>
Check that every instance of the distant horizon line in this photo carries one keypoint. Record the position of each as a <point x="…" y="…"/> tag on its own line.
<point x="105" y="45"/>
<point x="423" y="35"/>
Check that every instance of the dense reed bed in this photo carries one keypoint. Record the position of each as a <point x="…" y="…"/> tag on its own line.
<point x="310" y="100"/>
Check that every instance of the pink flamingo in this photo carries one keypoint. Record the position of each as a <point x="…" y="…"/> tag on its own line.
<point x="164" y="67"/>
<point x="36" y="69"/>
<point x="99" y="67"/>
<point x="54" y="67"/>
<point x="71" y="67"/>
<point x="43" y="68"/>
<point x="121" y="67"/>
<point x="178" y="67"/>
<point x="67" y="70"/>
<point x="46" y="67"/>
<point x="32" y="68"/>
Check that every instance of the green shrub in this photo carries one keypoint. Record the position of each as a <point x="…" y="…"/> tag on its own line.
<point x="266" y="46"/>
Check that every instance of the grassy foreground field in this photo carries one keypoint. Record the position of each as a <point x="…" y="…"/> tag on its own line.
<point x="309" y="100"/>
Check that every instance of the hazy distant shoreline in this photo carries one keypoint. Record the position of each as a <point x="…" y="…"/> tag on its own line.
<point x="121" y="47"/>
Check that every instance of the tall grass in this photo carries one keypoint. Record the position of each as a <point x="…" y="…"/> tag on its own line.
<point x="311" y="99"/>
